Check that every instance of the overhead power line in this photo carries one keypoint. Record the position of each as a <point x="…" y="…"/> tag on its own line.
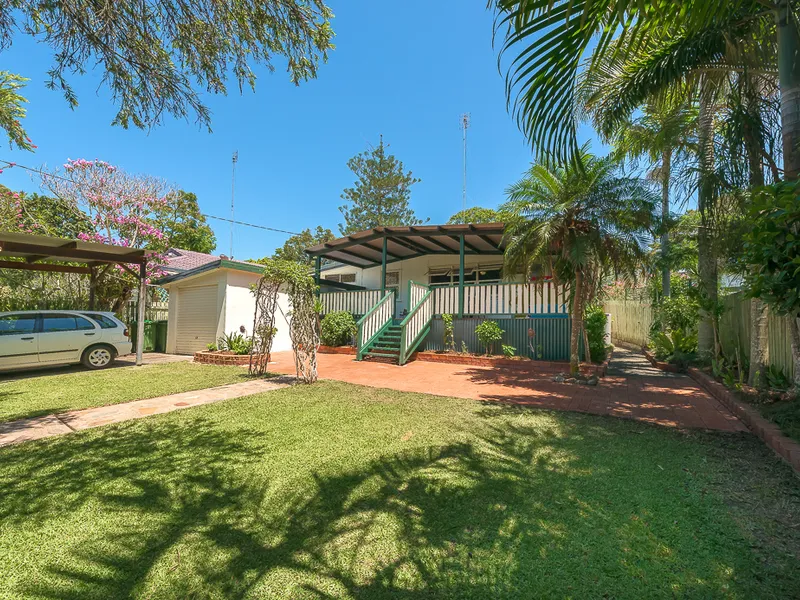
<point x="250" y="224"/>
<point x="9" y="164"/>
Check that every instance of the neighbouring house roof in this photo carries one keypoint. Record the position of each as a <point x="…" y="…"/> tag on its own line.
<point x="219" y="263"/>
<point x="183" y="264"/>
<point x="365" y="248"/>
<point x="179" y="260"/>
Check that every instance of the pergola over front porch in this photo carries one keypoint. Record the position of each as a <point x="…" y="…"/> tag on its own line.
<point x="522" y="305"/>
<point x="383" y="246"/>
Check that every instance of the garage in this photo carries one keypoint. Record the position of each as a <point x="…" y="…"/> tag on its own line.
<point x="197" y="319"/>
<point x="214" y="299"/>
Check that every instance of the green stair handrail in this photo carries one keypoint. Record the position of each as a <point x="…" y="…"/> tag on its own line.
<point x="374" y="330"/>
<point x="423" y="311"/>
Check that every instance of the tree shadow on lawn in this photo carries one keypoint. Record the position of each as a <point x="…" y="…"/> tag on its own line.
<point x="57" y="406"/>
<point x="519" y="511"/>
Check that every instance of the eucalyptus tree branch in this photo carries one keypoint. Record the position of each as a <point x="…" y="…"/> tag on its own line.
<point x="159" y="56"/>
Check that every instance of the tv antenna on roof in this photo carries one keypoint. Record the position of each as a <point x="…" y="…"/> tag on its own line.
<point x="234" y="160"/>
<point x="465" y="123"/>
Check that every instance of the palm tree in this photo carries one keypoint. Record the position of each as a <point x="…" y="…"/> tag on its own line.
<point x="699" y="66"/>
<point x="582" y="220"/>
<point x="664" y="135"/>
<point x="549" y="38"/>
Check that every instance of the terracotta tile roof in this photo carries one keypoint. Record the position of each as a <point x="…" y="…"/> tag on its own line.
<point x="179" y="260"/>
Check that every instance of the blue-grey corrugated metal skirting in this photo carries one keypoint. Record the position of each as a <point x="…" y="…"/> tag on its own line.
<point x="550" y="339"/>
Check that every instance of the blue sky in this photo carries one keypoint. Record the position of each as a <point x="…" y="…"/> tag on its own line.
<point x="405" y="70"/>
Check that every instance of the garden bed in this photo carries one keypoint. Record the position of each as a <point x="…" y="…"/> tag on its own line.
<point x="660" y="364"/>
<point x="767" y="431"/>
<point x="520" y="362"/>
<point x="223" y="357"/>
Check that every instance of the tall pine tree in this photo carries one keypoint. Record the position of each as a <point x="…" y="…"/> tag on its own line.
<point x="381" y="192"/>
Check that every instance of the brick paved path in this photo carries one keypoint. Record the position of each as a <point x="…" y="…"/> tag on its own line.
<point x="632" y="389"/>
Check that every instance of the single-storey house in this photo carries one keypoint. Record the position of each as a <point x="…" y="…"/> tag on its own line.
<point x="397" y="281"/>
<point x="413" y="275"/>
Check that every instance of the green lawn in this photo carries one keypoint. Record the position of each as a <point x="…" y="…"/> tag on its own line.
<point x="44" y="393"/>
<point x="340" y="491"/>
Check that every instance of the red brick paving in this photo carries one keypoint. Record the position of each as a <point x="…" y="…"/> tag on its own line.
<point x="674" y="401"/>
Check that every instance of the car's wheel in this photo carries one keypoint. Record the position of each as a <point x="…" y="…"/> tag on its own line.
<point x="97" y="357"/>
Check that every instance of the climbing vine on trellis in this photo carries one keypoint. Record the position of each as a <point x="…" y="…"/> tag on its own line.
<point x="264" y="330"/>
<point x="303" y="317"/>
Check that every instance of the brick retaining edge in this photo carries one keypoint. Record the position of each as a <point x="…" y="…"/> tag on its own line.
<point x="660" y="364"/>
<point x="768" y="432"/>
<point x="337" y="350"/>
<point x="499" y="361"/>
<point x="216" y="358"/>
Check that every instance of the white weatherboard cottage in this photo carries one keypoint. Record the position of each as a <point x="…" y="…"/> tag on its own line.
<point x="213" y="299"/>
<point x="410" y="276"/>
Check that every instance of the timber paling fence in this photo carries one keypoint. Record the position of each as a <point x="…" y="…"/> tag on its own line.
<point x="154" y="311"/>
<point x="631" y="321"/>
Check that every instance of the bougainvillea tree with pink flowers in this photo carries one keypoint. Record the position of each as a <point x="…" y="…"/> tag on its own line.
<point x="121" y="209"/>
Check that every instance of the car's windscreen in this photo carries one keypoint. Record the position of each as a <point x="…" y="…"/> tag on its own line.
<point x="104" y="321"/>
<point x="17" y="324"/>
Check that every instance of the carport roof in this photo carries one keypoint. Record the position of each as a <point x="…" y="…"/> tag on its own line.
<point x="43" y="253"/>
<point x="364" y="249"/>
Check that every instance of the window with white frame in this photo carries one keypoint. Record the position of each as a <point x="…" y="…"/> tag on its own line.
<point x="393" y="284"/>
<point x="472" y="275"/>
<point x="342" y="277"/>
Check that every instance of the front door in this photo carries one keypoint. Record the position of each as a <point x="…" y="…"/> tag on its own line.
<point x="63" y="336"/>
<point x="18" y="340"/>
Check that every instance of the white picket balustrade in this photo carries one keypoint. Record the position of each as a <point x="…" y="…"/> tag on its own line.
<point x="502" y="299"/>
<point x="417" y="292"/>
<point x="357" y="302"/>
<point x="415" y="322"/>
<point x="372" y="323"/>
<point x="445" y="300"/>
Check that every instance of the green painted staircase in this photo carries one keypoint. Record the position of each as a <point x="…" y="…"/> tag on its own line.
<point x="387" y="347"/>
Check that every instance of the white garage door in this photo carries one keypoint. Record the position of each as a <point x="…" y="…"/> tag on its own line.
<point x="197" y="319"/>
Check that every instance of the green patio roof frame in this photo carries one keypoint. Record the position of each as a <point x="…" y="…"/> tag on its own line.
<point x="385" y="245"/>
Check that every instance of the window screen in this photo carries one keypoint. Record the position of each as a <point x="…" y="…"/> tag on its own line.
<point x="17" y="324"/>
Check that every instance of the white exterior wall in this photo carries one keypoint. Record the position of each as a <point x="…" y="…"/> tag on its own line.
<point x="415" y="269"/>
<point x="240" y="304"/>
<point x="236" y="306"/>
<point x="240" y="308"/>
